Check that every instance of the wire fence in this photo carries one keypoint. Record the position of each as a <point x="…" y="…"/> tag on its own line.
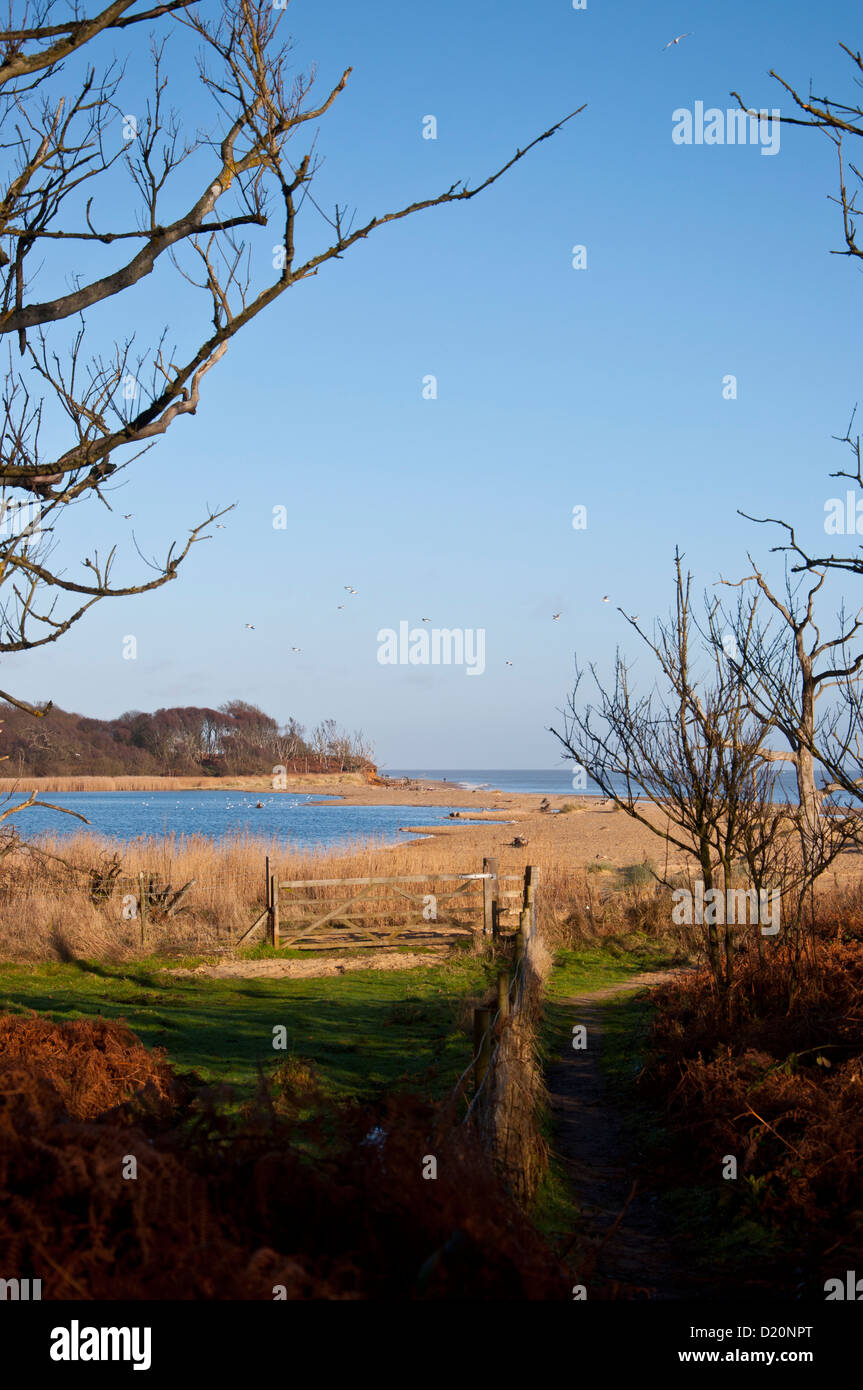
<point x="504" y="1110"/>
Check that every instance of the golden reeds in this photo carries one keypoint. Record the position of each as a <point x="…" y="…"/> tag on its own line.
<point x="242" y="782"/>
<point x="46" y="909"/>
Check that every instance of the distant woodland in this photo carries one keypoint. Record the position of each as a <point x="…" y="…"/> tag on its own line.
<point x="237" y="738"/>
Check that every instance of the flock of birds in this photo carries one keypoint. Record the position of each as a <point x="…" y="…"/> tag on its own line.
<point x="555" y="617"/>
<point x="250" y="805"/>
<point x="349" y="589"/>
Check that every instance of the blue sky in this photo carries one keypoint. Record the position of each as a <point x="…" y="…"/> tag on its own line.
<point x="556" y="386"/>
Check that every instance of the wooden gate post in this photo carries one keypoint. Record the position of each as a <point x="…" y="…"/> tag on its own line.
<point x="481" y="1044"/>
<point x="490" y="897"/>
<point x="274" y="910"/>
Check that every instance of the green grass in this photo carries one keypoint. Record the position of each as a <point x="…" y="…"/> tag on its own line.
<point x="363" y="1031"/>
<point x="584" y="969"/>
<point x="607" y="963"/>
<point x="554" y="1211"/>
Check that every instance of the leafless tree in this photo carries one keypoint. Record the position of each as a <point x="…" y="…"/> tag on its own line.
<point x="690" y="748"/>
<point x="697" y="749"/>
<point x="786" y="681"/>
<point x="781" y="669"/>
<point x="840" y="121"/>
<point x="74" y="157"/>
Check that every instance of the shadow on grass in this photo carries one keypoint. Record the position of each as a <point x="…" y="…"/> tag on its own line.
<point x="362" y="1032"/>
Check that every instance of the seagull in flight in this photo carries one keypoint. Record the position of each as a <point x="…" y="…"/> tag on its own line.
<point x="509" y="663"/>
<point x="250" y="626"/>
<point x="605" y="598"/>
<point x="672" y="42"/>
<point x="296" y="649"/>
<point x="555" y="617"/>
<point x="426" y="620"/>
<point x="127" y="516"/>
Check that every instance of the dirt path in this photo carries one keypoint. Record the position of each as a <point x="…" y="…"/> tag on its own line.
<point x="313" y="967"/>
<point x="634" y="1258"/>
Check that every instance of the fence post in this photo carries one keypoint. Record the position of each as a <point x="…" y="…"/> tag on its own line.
<point x="503" y="994"/>
<point x="490" y="897"/>
<point x="524" y="923"/>
<point x="531" y="879"/>
<point x="481" y="1045"/>
<point x="143" y="893"/>
<point x="520" y="940"/>
<point x="274" y="910"/>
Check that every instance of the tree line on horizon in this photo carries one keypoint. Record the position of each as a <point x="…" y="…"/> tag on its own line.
<point x="237" y="738"/>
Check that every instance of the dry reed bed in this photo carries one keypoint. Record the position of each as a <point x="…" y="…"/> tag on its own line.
<point x="241" y="781"/>
<point x="46" y="908"/>
<point x="47" y="911"/>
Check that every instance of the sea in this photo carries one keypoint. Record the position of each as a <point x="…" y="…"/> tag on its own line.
<point x="563" y="780"/>
<point x="555" y="781"/>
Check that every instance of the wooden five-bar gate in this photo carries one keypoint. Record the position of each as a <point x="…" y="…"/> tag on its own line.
<point x="323" y="913"/>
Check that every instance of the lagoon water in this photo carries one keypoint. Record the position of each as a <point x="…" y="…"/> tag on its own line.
<point x="290" y="819"/>
<point x="310" y="821"/>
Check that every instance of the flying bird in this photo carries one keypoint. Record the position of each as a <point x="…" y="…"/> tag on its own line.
<point x="296" y="649"/>
<point x="339" y="606"/>
<point x="555" y="616"/>
<point x="605" y="598"/>
<point x="250" y="626"/>
<point x="671" y="42"/>
<point x="509" y="663"/>
<point x="219" y="526"/>
<point x="127" y="516"/>
<point x="426" y="620"/>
